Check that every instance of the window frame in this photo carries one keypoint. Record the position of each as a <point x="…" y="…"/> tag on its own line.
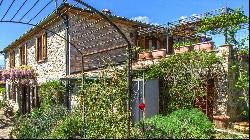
<point x="23" y="55"/>
<point x="12" y="58"/>
<point x="41" y="48"/>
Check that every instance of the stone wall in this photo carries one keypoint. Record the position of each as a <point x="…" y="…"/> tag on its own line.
<point x="55" y="64"/>
<point x="93" y="42"/>
<point x="226" y="101"/>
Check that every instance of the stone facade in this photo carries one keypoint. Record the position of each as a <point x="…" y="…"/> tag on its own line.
<point x="55" y="63"/>
<point x="54" y="66"/>
<point x="226" y="99"/>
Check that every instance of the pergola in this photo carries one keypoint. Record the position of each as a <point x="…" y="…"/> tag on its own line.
<point x="186" y="28"/>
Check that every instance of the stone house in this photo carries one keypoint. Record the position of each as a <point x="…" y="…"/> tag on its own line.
<point x="53" y="58"/>
<point x="49" y="54"/>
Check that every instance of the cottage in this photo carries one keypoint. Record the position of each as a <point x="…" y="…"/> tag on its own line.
<point x="49" y="54"/>
<point x="45" y="48"/>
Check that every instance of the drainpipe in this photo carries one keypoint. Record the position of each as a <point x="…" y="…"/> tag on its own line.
<point x="65" y="18"/>
<point x="67" y="58"/>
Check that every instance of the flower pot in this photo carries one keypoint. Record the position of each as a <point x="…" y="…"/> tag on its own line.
<point x="159" y="53"/>
<point x="177" y="50"/>
<point x="197" y="47"/>
<point x="207" y="46"/>
<point x="148" y="55"/>
<point x="141" y="56"/>
<point x="184" y="49"/>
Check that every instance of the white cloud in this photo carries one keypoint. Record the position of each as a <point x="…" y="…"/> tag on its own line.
<point x="183" y="17"/>
<point x="143" y="19"/>
<point x="157" y="24"/>
<point x="197" y="16"/>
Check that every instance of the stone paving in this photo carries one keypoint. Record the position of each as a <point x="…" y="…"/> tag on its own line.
<point x="5" y="126"/>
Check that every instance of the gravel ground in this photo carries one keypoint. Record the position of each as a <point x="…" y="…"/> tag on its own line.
<point x="5" y="126"/>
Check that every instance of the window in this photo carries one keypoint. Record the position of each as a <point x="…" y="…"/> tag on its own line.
<point x="41" y="48"/>
<point x="12" y="59"/>
<point x="23" y="55"/>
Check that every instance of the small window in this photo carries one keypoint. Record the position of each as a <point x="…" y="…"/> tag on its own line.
<point x="41" y="48"/>
<point x="12" y="59"/>
<point x="23" y="55"/>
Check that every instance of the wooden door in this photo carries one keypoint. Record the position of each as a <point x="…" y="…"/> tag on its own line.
<point x="25" y="99"/>
<point x="205" y="103"/>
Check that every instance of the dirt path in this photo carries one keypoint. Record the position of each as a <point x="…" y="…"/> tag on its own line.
<point x="5" y="126"/>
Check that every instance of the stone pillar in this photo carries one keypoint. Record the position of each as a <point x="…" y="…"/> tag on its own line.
<point x="221" y="85"/>
<point x="233" y="107"/>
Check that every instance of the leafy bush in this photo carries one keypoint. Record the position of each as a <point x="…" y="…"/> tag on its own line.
<point x="183" y="77"/>
<point x="2" y="103"/>
<point x="72" y="126"/>
<point x="51" y="93"/>
<point x="180" y="124"/>
<point x="104" y="100"/>
<point x="39" y="123"/>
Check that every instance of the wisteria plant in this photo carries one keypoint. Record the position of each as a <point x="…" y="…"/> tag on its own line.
<point x="22" y="74"/>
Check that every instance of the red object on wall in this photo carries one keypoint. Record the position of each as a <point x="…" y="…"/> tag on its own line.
<point x="142" y="106"/>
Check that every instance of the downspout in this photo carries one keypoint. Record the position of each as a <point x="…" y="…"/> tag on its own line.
<point x="65" y="18"/>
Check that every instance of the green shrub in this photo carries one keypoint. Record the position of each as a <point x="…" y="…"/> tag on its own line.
<point x="71" y="127"/>
<point x="51" y="93"/>
<point x="39" y="123"/>
<point x="2" y="104"/>
<point x="183" y="77"/>
<point x="180" y="124"/>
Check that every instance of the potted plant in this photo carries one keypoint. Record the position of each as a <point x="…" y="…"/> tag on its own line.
<point x="186" y="46"/>
<point x="208" y="46"/>
<point x="139" y="50"/>
<point x="176" y="47"/>
<point x="243" y="55"/>
<point x="144" y="54"/>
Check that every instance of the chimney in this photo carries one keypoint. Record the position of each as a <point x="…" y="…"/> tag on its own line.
<point x="106" y="11"/>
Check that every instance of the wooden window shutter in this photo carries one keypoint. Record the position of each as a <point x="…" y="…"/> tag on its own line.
<point x="25" y="54"/>
<point x="36" y="49"/>
<point x="44" y="41"/>
<point x="20" y="56"/>
<point x="13" y="54"/>
<point x="10" y="59"/>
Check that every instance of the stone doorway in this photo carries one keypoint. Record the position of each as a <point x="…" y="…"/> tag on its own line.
<point x="205" y="103"/>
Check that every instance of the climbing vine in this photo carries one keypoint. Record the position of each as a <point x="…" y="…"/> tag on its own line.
<point x="218" y="24"/>
<point x="103" y="103"/>
<point x="240" y="68"/>
<point x="183" y="77"/>
<point x="229" y="23"/>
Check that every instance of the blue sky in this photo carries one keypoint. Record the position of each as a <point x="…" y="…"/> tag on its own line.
<point x="153" y="11"/>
